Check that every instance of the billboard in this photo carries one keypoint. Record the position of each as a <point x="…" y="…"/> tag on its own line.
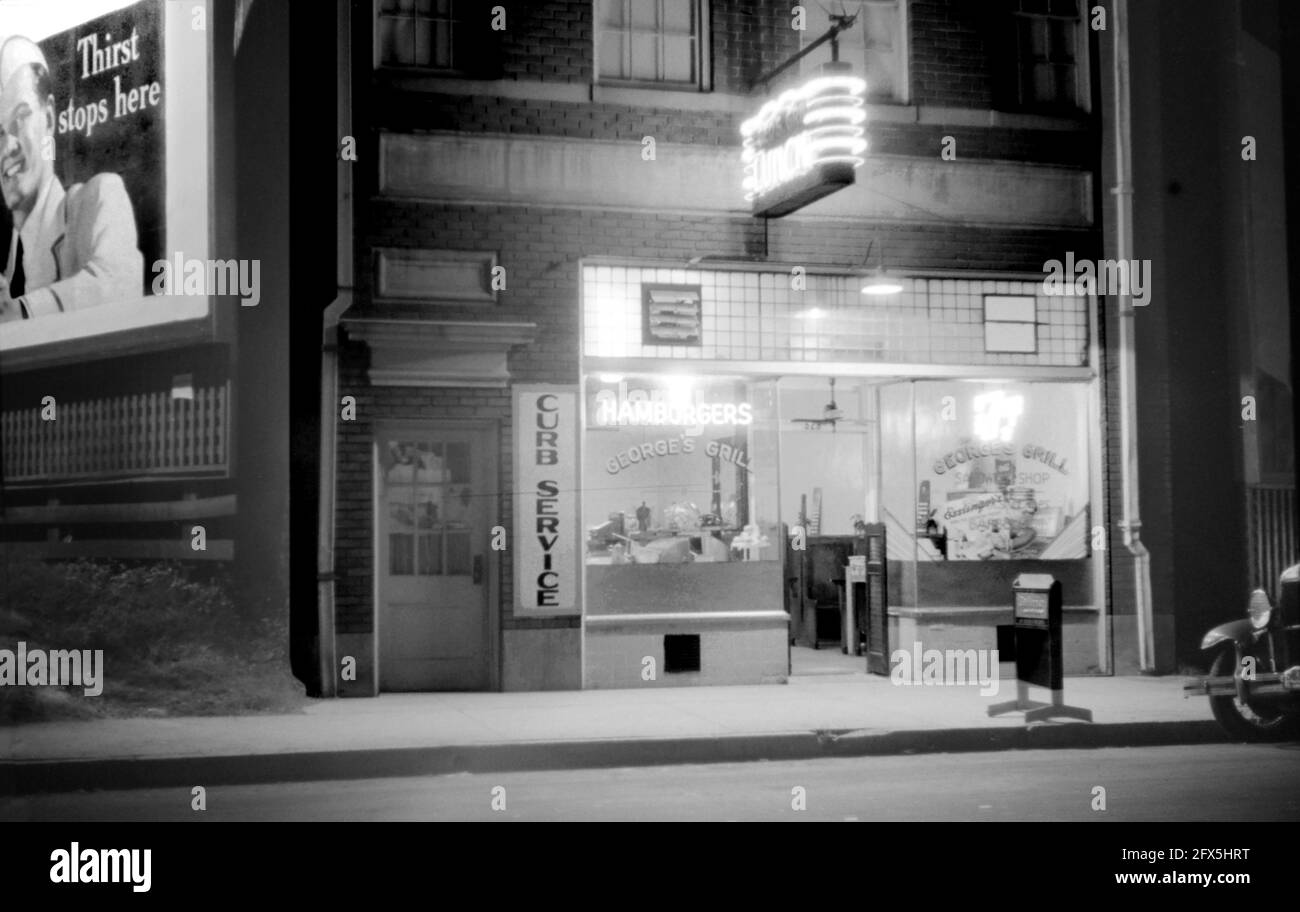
<point x="104" y="234"/>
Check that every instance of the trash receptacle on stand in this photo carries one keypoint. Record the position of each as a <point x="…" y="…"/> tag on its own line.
<point x="1036" y="601"/>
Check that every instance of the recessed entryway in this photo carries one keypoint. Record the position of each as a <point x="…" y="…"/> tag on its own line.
<point x="829" y="660"/>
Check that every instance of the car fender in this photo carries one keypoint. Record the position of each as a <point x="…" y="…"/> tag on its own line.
<point x="1236" y="631"/>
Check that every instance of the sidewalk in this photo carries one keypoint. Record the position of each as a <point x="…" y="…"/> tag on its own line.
<point x="420" y="734"/>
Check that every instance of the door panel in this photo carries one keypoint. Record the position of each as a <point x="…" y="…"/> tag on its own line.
<point x="435" y="495"/>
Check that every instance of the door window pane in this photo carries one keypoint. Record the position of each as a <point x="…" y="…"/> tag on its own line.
<point x="410" y="461"/>
<point x="456" y="463"/>
<point x="401" y="517"/>
<point x="428" y="507"/>
<point x="430" y="554"/>
<point x="400" y="559"/>
<point x="458" y="560"/>
<point x="456" y="505"/>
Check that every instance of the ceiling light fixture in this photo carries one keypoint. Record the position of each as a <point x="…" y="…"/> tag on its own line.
<point x="880" y="282"/>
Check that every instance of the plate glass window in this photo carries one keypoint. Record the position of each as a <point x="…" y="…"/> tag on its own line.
<point x="418" y="33"/>
<point x="649" y="41"/>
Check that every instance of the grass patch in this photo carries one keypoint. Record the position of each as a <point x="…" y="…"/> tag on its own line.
<point x="173" y="645"/>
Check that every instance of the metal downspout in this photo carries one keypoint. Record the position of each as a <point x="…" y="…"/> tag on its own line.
<point x="1130" y="523"/>
<point x="329" y="413"/>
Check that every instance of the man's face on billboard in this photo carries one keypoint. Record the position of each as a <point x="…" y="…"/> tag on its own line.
<point x="26" y="120"/>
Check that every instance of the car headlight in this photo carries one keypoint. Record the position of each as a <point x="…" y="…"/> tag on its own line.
<point x="1259" y="609"/>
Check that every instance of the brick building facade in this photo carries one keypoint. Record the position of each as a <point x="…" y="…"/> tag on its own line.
<point x="499" y="170"/>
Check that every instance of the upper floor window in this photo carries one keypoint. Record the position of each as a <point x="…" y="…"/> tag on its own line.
<point x="418" y="33"/>
<point x="1050" y="54"/>
<point x="651" y="41"/>
<point x="876" y="46"/>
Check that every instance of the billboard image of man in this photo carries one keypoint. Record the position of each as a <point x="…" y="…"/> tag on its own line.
<point x="68" y="250"/>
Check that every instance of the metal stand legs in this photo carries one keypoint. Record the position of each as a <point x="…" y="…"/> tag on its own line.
<point x="1036" y="711"/>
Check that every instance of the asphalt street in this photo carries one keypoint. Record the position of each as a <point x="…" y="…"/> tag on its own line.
<point x="1181" y="783"/>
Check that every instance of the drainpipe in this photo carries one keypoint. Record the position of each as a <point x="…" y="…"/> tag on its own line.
<point x="1130" y="524"/>
<point x="325" y="528"/>
<point x="329" y="387"/>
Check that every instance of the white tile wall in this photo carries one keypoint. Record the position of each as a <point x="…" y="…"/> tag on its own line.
<point x="759" y="317"/>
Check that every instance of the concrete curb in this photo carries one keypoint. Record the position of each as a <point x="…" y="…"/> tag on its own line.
<point x="42" y="776"/>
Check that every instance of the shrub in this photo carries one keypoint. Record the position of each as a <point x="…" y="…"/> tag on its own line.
<point x="172" y="644"/>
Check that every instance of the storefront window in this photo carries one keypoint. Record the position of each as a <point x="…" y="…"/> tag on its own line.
<point x="975" y="473"/>
<point x="679" y="470"/>
<point x="827" y="454"/>
<point x="1002" y="471"/>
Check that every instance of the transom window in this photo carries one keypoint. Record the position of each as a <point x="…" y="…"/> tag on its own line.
<point x="1010" y="323"/>
<point x="1048" y="36"/>
<point x="656" y="41"/>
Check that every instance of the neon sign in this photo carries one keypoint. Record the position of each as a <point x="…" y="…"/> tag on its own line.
<point x="804" y="144"/>
<point x="996" y="415"/>
<point x="652" y="413"/>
